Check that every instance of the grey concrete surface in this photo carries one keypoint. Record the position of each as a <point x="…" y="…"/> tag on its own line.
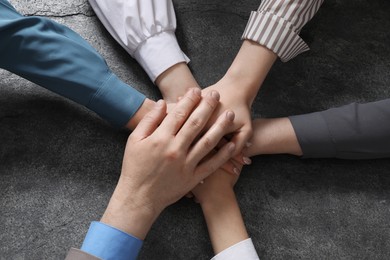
<point x="59" y="162"/>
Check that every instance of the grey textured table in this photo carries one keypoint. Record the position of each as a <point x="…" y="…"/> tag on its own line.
<point x="59" y="162"/>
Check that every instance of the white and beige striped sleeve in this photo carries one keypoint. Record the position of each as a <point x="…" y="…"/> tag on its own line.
<point x="277" y="23"/>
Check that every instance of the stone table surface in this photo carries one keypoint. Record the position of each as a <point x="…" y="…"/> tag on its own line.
<point x="59" y="162"/>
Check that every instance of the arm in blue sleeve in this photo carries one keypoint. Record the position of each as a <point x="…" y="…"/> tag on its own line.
<point x="107" y="242"/>
<point x="57" y="58"/>
<point x="354" y="131"/>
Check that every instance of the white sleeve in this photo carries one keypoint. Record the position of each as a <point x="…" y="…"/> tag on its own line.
<point x="146" y="29"/>
<point x="244" y="250"/>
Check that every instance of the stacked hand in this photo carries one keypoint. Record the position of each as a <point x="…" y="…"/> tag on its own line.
<point x="162" y="162"/>
<point x="241" y="130"/>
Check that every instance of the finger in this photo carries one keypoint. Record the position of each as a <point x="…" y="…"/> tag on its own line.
<point x="213" y="163"/>
<point x="176" y="118"/>
<point x="241" y="139"/>
<point x="150" y="121"/>
<point x="211" y="138"/>
<point x="189" y="195"/>
<point x="197" y="120"/>
<point x="239" y="158"/>
<point x="232" y="167"/>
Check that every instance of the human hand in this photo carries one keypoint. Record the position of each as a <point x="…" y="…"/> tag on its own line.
<point x="161" y="162"/>
<point x="241" y="131"/>
<point x="215" y="188"/>
<point x="233" y="165"/>
<point x="221" y="211"/>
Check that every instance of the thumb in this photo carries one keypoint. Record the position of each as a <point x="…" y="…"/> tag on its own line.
<point x="241" y="139"/>
<point x="150" y="122"/>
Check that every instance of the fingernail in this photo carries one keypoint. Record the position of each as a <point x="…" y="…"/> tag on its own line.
<point x="230" y="115"/>
<point x="214" y="94"/>
<point x="159" y="103"/>
<point x="247" y="160"/>
<point x="248" y="144"/>
<point x="236" y="171"/>
<point x="231" y="147"/>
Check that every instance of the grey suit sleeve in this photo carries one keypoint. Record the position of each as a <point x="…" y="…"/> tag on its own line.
<point x="354" y="131"/>
<point x="77" y="254"/>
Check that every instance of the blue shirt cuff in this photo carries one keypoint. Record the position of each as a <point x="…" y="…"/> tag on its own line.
<point x="116" y="101"/>
<point x="107" y="242"/>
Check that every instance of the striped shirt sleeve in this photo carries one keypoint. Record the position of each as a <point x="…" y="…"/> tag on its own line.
<point x="277" y="23"/>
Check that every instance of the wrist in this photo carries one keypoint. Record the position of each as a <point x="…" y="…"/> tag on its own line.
<point x="224" y="213"/>
<point x="250" y="67"/>
<point x="175" y="82"/>
<point x="129" y="214"/>
<point x="216" y="200"/>
<point x="232" y="83"/>
<point x="273" y="136"/>
<point x="145" y="108"/>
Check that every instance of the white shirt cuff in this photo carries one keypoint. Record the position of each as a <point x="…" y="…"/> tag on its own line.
<point x="242" y="250"/>
<point x="158" y="53"/>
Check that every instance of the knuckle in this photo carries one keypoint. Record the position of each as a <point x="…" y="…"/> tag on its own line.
<point x="207" y="143"/>
<point x="196" y="122"/>
<point x="211" y="103"/>
<point x="148" y="118"/>
<point x="223" y="124"/>
<point x="172" y="155"/>
<point x="193" y="99"/>
<point x="180" y="114"/>
<point x="155" y="143"/>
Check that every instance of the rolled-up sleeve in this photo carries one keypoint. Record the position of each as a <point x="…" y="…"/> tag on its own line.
<point x="145" y="29"/>
<point x="277" y="23"/>
<point x="57" y="58"/>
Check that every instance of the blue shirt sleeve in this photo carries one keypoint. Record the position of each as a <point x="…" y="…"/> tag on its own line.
<point x="106" y="242"/>
<point x="57" y="58"/>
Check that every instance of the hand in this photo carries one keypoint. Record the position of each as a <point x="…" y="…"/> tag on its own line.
<point x="161" y="162"/>
<point x="240" y="85"/>
<point x="231" y="99"/>
<point x="215" y="188"/>
<point x="221" y="211"/>
<point x="233" y="165"/>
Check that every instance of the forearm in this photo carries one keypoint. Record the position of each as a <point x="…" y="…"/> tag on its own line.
<point x="57" y="58"/>
<point x="354" y="131"/>
<point x="175" y="82"/>
<point x="273" y="136"/>
<point x="249" y="69"/>
<point x="224" y="221"/>
<point x="272" y="31"/>
<point x="128" y="215"/>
